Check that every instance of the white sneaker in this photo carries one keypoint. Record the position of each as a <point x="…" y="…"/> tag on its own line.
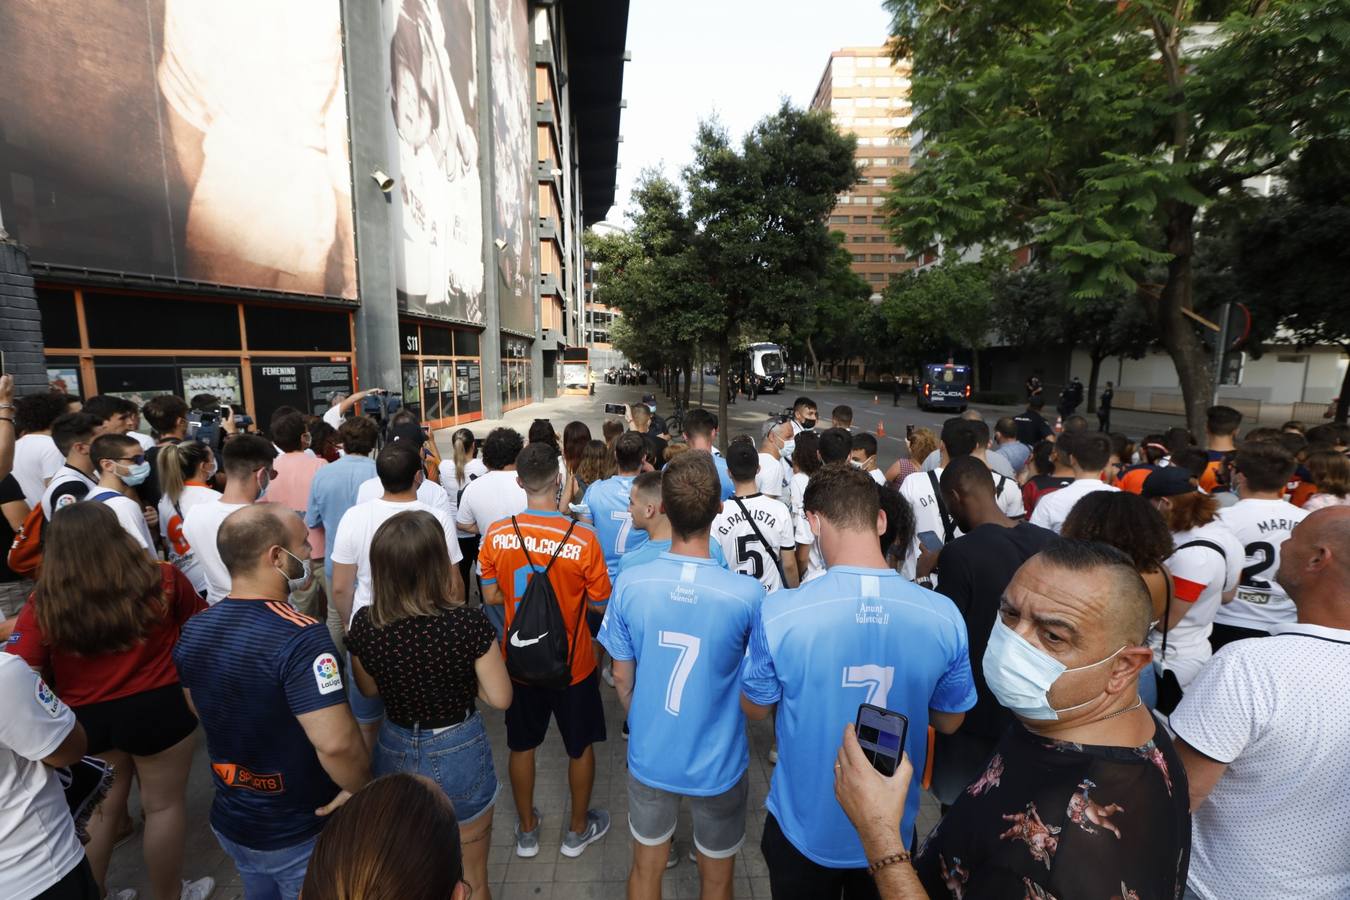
<point x="199" y="889"/>
<point x="607" y="673"/>
<point x="773" y="755"/>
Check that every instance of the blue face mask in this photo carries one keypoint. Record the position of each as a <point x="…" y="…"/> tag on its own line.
<point x="136" y="474"/>
<point x="1020" y="675"/>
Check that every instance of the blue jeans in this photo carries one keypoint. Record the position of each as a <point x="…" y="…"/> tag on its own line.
<point x="458" y="758"/>
<point x="368" y="710"/>
<point x="270" y="874"/>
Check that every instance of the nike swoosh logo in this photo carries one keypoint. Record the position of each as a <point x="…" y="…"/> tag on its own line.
<point x="517" y="642"/>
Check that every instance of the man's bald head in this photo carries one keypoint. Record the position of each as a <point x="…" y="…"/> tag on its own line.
<point x="247" y="534"/>
<point x="1315" y="560"/>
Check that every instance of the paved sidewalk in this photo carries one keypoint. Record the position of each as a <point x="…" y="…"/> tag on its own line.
<point x="600" y="872"/>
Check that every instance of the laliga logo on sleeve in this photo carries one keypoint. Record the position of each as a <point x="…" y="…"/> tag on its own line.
<point x="326" y="673"/>
<point x="47" y="699"/>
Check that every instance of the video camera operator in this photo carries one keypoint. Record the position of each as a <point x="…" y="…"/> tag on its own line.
<point x="344" y="404"/>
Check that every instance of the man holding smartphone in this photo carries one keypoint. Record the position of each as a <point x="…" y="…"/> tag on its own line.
<point x="820" y="652"/>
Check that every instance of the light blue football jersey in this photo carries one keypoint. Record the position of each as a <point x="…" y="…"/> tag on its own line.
<point x="608" y="500"/>
<point x="851" y="636"/>
<point x="685" y="621"/>
<point x="652" y="550"/>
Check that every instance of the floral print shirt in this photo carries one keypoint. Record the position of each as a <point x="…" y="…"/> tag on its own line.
<point x="1052" y="819"/>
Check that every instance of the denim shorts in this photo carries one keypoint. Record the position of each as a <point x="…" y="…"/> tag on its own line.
<point x="719" y="820"/>
<point x="458" y="758"/>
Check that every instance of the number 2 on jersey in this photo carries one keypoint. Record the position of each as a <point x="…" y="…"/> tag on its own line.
<point x="688" y="645"/>
<point x="1264" y="556"/>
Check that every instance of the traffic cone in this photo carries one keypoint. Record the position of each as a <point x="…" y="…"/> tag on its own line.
<point x="875" y="399"/>
<point x="881" y="429"/>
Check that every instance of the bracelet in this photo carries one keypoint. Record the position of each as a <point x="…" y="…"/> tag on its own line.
<point x="874" y="868"/>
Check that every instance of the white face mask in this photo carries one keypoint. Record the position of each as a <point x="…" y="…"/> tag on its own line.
<point x="295" y="584"/>
<point x="788" y="448"/>
<point x="1020" y="675"/>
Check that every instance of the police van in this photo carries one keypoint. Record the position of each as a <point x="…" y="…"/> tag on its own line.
<point x="944" y="386"/>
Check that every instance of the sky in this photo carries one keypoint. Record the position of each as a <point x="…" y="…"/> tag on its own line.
<point x="735" y="58"/>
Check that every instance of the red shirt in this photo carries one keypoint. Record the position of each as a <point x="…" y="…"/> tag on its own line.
<point x="82" y="680"/>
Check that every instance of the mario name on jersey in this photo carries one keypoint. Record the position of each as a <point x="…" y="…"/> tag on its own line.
<point x="538" y="546"/>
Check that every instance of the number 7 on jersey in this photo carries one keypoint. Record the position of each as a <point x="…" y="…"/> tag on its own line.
<point x="688" y="645"/>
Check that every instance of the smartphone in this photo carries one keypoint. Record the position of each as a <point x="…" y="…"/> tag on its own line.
<point x="930" y="541"/>
<point x="616" y="409"/>
<point x="909" y="431"/>
<point x="882" y="733"/>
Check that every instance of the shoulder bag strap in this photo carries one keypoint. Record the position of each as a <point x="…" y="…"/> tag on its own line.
<point x="1211" y="545"/>
<point x="948" y="526"/>
<point x="523" y="549"/>
<point x="773" y="551"/>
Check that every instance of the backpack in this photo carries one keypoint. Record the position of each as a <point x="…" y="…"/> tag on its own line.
<point x="537" y="650"/>
<point x="25" y="554"/>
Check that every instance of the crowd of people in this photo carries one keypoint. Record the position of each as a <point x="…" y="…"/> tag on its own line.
<point x="1121" y="663"/>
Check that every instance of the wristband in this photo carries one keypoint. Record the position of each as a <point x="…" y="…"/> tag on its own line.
<point x="874" y="868"/>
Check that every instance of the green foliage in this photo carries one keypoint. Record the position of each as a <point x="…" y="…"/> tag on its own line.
<point x="1099" y="131"/>
<point x="932" y="311"/>
<point x="1032" y="307"/>
<point x="1286" y="257"/>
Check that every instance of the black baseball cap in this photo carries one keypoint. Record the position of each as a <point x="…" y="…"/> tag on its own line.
<point x="1169" y="481"/>
<point x="648" y="398"/>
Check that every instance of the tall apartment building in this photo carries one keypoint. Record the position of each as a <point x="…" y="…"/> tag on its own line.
<point x="869" y="96"/>
<point x="271" y="202"/>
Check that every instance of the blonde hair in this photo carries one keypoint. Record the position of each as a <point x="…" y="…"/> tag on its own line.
<point x="462" y="441"/>
<point x="922" y="443"/>
<point x="176" y="464"/>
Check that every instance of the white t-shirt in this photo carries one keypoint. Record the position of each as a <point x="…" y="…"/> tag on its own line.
<point x="774" y="475"/>
<point x="1200" y="577"/>
<point x="181" y="553"/>
<point x="473" y="470"/>
<point x="200" y="526"/>
<point x="429" y="492"/>
<point x="1277" y="712"/>
<point x="815" y="565"/>
<point x="741" y="545"/>
<point x="129" y="513"/>
<point x="918" y="492"/>
<point x="356" y="532"/>
<point x="1053" y="508"/>
<point x="67" y="475"/>
<point x="38" y="846"/>
<point x="145" y="440"/>
<point x="493" y="496"/>
<point x="997" y="463"/>
<point x="1261" y="527"/>
<point x="36" y="460"/>
<point x="333" y="416"/>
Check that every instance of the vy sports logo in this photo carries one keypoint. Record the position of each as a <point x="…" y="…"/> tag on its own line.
<point x="234" y="776"/>
<point x="327" y="676"/>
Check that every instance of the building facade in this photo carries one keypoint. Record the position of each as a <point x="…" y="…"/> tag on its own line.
<point x="273" y="202"/>
<point x="868" y="95"/>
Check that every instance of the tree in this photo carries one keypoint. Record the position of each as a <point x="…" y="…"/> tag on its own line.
<point x="653" y="275"/>
<point x="1101" y="132"/>
<point x="1286" y="258"/>
<point x="937" y="309"/>
<point x="1032" y="306"/>
<point x="832" y="325"/>
<point x="760" y="221"/>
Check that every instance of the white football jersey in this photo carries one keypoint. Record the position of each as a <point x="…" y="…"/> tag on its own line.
<point x="742" y="547"/>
